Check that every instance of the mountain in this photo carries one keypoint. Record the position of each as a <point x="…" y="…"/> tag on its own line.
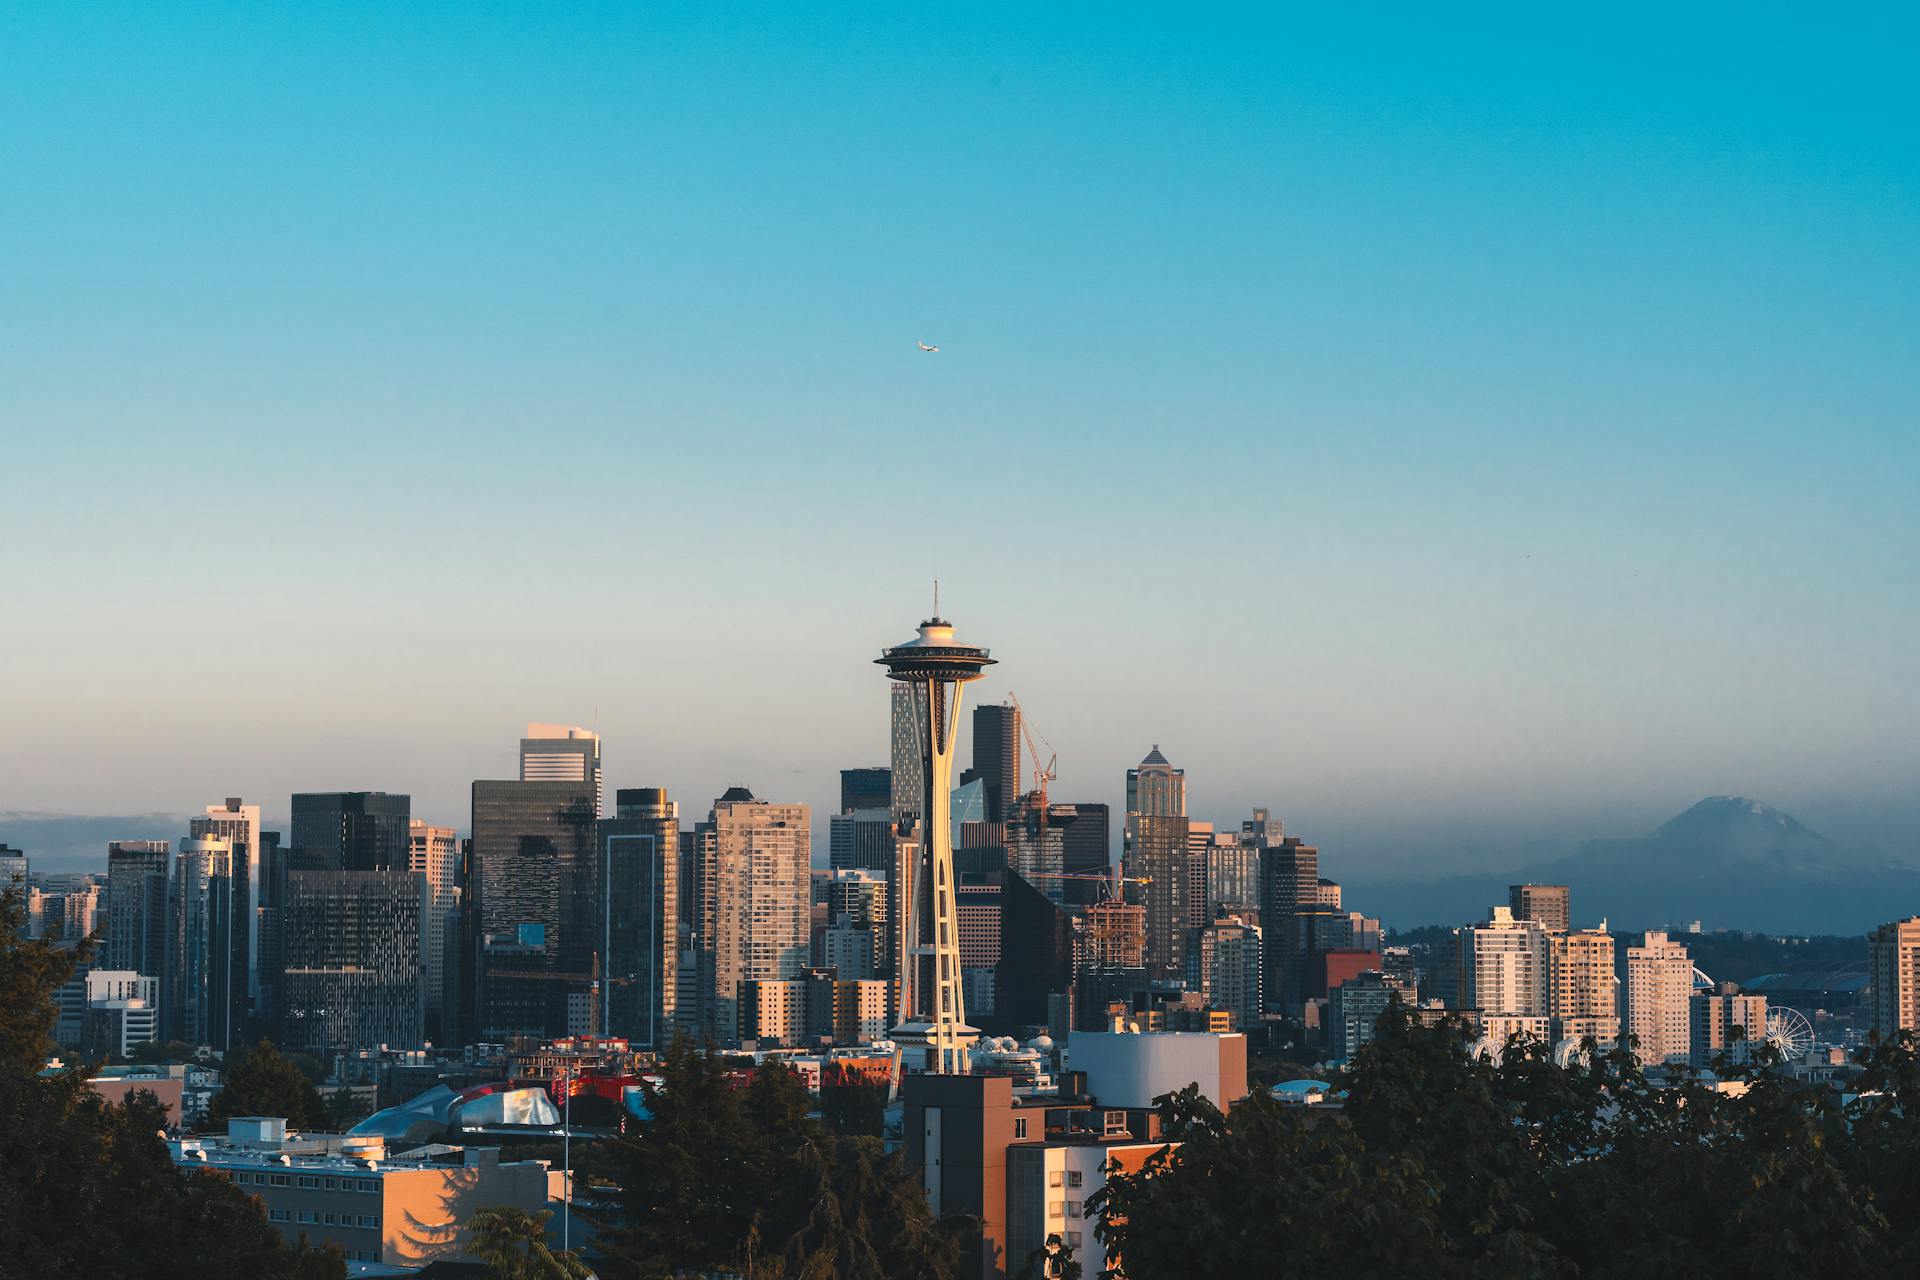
<point x="1728" y="862"/>
<point x="73" y="842"/>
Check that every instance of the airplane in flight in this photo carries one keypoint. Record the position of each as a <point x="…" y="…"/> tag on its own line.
<point x="924" y="347"/>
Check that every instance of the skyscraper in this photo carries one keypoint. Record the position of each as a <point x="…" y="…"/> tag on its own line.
<point x="1157" y="854"/>
<point x="906" y="731"/>
<point x="434" y="856"/>
<point x="352" y="830"/>
<point x="1545" y="904"/>
<point x="563" y="753"/>
<point x="352" y="978"/>
<point x="861" y="840"/>
<point x="868" y="788"/>
<point x="13" y="866"/>
<point x="1893" y="970"/>
<point x="1156" y="787"/>
<point x="639" y="913"/>
<point x="1085" y="848"/>
<point x="136" y="938"/>
<point x="1036" y="957"/>
<point x="206" y="997"/>
<point x="239" y="825"/>
<point x="996" y="757"/>
<point x="1658" y="987"/>
<point x="1289" y="883"/>
<point x="754" y="889"/>
<point x="1155" y="850"/>
<point x="1036" y="845"/>
<point x="532" y="875"/>
<point x="933" y="667"/>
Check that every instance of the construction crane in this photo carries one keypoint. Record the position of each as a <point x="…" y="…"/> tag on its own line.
<point x="1043" y="775"/>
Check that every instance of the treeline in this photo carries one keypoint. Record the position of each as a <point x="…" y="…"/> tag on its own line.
<point x="1443" y="1166"/>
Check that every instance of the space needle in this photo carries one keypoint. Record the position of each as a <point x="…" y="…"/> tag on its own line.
<point x="933" y="1035"/>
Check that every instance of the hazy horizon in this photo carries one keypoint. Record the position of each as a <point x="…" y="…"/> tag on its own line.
<point x="1461" y="434"/>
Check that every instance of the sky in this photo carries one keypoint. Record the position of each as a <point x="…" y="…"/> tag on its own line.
<point x="1462" y="431"/>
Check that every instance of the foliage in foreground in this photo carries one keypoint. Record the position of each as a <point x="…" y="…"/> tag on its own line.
<point x="1441" y="1166"/>
<point x="738" y="1178"/>
<point x="88" y="1188"/>
<point x="513" y="1244"/>
<point x="261" y="1081"/>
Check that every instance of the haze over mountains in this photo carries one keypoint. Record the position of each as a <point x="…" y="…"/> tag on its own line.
<point x="1728" y="862"/>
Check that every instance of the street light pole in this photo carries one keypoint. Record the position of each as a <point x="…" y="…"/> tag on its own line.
<point x="566" y="1164"/>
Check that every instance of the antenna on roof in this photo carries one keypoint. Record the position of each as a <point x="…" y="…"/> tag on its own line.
<point x="936" y="597"/>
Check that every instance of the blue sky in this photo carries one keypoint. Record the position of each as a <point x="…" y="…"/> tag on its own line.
<point x="1455" y="430"/>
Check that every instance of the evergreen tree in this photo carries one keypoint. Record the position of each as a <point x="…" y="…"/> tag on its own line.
<point x="87" y="1188"/>
<point x="263" y="1082"/>
<point x="513" y="1244"/>
<point x="738" y="1177"/>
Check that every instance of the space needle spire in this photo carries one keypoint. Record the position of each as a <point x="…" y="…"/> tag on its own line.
<point x="933" y="1034"/>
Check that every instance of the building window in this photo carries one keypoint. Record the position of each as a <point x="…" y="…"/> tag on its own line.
<point x="1073" y="1208"/>
<point x="1073" y="1239"/>
<point x="330" y="1222"/>
<point x="279" y="1179"/>
<point x="1020" y="1128"/>
<point x="366" y="1220"/>
<point x="333" y="1184"/>
<point x="305" y="1181"/>
<point x="306" y="1215"/>
<point x="1073" y="1177"/>
<point x="1057" y="1209"/>
<point x="1055" y="1178"/>
<point x="276" y="1215"/>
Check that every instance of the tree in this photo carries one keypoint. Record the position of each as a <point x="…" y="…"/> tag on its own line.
<point x="513" y="1243"/>
<point x="738" y="1176"/>
<point x="262" y="1082"/>
<point x="854" y="1108"/>
<point x="88" y="1188"/>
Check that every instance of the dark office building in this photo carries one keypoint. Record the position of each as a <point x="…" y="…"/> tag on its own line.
<point x="996" y="757"/>
<point x="354" y="830"/>
<point x="1036" y="956"/>
<point x="1289" y="884"/>
<point x="534" y="881"/>
<point x="136" y="934"/>
<point x="639" y="916"/>
<point x="1159" y="855"/>
<point x="352" y="978"/>
<point x="866" y="788"/>
<point x="958" y="1129"/>
<point x="1086" y="849"/>
<point x="981" y="849"/>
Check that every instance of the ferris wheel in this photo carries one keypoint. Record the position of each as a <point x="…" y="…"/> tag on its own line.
<point x="1789" y="1032"/>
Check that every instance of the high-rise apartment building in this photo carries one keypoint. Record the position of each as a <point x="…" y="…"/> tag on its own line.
<point x="352" y="977"/>
<point x="1504" y="966"/>
<point x="1722" y="1020"/>
<point x="206" y="992"/>
<point x="868" y="788"/>
<point x="563" y="753"/>
<point x="1545" y="904"/>
<point x="639" y="913"/>
<point x="532" y="876"/>
<point x="996" y="757"/>
<point x="1658" y="988"/>
<point x="1584" y="997"/>
<point x="1230" y="969"/>
<point x="1354" y="1008"/>
<point x="1232" y="865"/>
<point x="1893" y="974"/>
<point x="754" y="899"/>
<point x="136" y="938"/>
<point x="1114" y="935"/>
<point x="434" y="855"/>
